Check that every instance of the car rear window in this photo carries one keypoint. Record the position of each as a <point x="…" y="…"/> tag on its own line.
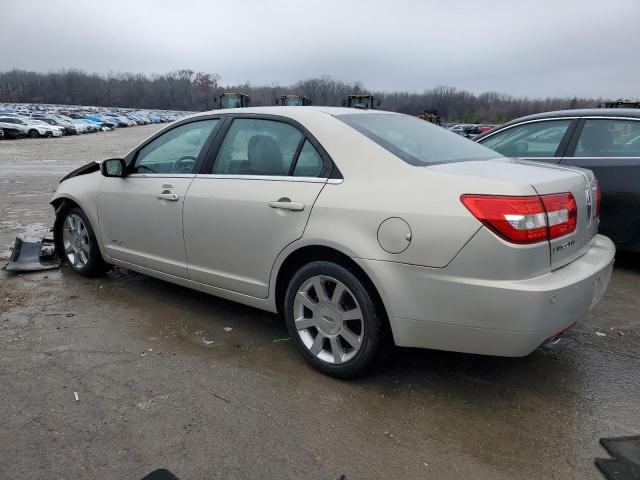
<point x="416" y="141"/>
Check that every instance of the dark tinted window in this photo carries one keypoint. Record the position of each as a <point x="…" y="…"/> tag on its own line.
<point x="258" y="147"/>
<point x="415" y="141"/>
<point x="609" y="138"/>
<point x="537" y="139"/>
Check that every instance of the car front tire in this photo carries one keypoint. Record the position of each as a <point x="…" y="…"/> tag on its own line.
<point x="76" y="243"/>
<point x="333" y="320"/>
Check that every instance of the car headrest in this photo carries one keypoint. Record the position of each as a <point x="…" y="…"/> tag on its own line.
<point x="265" y="156"/>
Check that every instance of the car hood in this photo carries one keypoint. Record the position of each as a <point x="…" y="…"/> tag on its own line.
<point x="83" y="170"/>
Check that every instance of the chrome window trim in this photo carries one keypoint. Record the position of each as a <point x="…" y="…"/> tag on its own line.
<point x="537" y="120"/>
<point x="551" y="119"/>
<point x="162" y="175"/>
<point x="271" y="178"/>
<point x="611" y="156"/>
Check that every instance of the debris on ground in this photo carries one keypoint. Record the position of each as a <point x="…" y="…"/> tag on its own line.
<point x="600" y="334"/>
<point x="221" y="397"/>
<point x="31" y="254"/>
<point x="227" y="329"/>
<point x="281" y="340"/>
<point x="75" y="394"/>
<point x="206" y="342"/>
<point x="625" y="461"/>
<point x="160" y="474"/>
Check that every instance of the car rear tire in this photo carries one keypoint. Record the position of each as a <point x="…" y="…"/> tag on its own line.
<point x="333" y="320"/>
<point x="76" y="243"/>
<point x="33" y="133"/>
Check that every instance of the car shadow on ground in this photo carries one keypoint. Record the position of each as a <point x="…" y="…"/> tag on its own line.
<point x="628" y="261"/>
<point x="261" y="328"/>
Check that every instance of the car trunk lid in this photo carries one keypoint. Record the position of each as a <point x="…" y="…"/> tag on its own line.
<point x="582" y="184"/>
<point x="545" y="179"/>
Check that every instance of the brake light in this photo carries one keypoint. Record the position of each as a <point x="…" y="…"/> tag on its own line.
<point x="562" y="214"/>
<point x="598" y="199"/>
<point x="525" y="220"/>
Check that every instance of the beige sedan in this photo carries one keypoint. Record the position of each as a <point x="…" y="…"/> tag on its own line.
<point x="361" y="228"/>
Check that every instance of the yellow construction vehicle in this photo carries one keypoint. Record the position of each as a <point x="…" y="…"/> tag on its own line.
<point x="430" y="116"/>
<point x="231" y="100"/>
<point x="361" y="101"/>
<point x="622" y="104"/>
<point x="293" y="101"/>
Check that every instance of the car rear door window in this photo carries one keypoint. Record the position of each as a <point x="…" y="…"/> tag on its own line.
<point x="609" y="138"/>
<point x="536" y="139"/>
<point x="309" y="162"/>
<point x="258" y="147"/>
<point x="176" y="151"/>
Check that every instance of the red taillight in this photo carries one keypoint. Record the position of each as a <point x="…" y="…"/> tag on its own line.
<point x="598" y="199"/>
<point x="524" y="220"/>
<point x="562" y="214"/>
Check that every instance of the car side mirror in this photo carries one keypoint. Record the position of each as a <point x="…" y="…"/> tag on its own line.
<point x="113" y="167"/>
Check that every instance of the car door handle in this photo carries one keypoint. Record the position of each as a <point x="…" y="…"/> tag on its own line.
<point x="172" y="197"/>
<point x="287" y="205"/>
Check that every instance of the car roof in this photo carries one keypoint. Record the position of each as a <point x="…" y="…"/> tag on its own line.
<point x="295" y="112"/>
<point x="582" y="112"/>
<point x="577" y="112"/>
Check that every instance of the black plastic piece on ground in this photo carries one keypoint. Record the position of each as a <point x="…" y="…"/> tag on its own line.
<point x="625" y="464"/>
<point x="32" y="254"/>
<point x="161" y="474"/>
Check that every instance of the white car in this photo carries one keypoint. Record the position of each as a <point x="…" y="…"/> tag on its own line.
<point x="13" y="130"/>
<point x="54" y="129"/>
<point x="34" y="128"/>
<point x="360" y="227"/>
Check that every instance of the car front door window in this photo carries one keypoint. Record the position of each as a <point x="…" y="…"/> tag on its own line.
<point x="531" y="140"/>
<point x="176" y="151"/>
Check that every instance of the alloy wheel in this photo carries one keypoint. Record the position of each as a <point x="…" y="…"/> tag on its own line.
<point x="328" y="319"/>
<point x="75" y="239"/>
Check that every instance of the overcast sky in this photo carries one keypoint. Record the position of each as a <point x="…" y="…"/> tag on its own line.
<point x="529" y="48"/>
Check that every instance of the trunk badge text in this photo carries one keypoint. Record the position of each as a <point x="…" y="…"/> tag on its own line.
<point x="563" y="246"/>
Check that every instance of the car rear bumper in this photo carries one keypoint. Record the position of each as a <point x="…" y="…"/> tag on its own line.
<point x="429" y="309"/>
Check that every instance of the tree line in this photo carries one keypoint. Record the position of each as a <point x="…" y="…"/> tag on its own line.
<point x="195" y="91"/>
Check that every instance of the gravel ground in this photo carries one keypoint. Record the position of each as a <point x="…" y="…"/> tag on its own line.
<point x="162" y="382"/>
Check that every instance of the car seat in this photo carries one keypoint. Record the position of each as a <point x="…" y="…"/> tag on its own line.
<point x="265" y="157"/>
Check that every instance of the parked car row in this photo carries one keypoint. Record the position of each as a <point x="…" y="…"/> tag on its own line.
<point x="36" y="121"/>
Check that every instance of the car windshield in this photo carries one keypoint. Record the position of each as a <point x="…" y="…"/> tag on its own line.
<point x="415" y="141"/>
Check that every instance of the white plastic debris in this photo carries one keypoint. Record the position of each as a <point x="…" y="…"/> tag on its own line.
<point x="227" y="329"/>
<point x="75" y="394"/>
<point x="600" y="334"/>
<point x="206" y="342"/>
